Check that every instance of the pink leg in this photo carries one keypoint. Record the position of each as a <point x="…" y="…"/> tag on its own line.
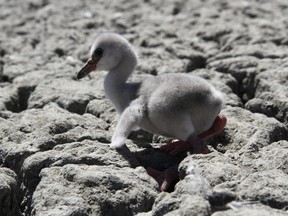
<point x="177" y="146"/>
<point x="167" y="177"/>
<point x="217" y="127"/>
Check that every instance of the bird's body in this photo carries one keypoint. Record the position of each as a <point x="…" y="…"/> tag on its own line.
<point x="174" y="105"/>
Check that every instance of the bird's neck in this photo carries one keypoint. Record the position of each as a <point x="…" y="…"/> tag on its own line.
<point x="115" y="82"/>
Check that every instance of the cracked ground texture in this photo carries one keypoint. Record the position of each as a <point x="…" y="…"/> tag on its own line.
<point x="55" y="131"/>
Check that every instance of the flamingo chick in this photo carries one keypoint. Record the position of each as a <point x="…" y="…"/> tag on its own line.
<point x="176" y="105"/>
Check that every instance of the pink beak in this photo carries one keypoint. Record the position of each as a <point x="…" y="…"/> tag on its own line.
<point x="88" y="67"/>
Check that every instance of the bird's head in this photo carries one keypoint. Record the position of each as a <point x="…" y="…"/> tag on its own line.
<point x="107" y="51"/>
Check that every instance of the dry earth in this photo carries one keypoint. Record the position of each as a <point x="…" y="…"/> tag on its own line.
<point x="55" y="130"/>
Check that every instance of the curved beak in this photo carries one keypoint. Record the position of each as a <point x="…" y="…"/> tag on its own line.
<point x="88" y="67"/>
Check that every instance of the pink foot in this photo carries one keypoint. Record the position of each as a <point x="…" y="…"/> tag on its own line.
<point x="177" y="146"/>
<point x="170" y="175"/>
<point x="165" y="178"/>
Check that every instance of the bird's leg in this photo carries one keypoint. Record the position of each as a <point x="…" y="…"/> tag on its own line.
<point x="167" y="177"/>
<point x="195" y="142"/>
<point x="128" y="119"/>
<point x="197" y="145"/>
<point x="217" y="127"/>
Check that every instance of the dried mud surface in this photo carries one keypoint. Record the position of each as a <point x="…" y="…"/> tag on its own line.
<point x="55" y="131"/>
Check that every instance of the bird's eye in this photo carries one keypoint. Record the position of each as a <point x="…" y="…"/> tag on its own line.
<point x="98" y="52"/>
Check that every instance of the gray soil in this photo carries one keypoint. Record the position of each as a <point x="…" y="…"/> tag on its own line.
<point x="55" y="131"/>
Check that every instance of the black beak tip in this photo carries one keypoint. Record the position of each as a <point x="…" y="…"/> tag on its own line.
<point x="80" y="76"/>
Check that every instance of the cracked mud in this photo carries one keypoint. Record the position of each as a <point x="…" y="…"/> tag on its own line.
<point x="55" y="130"/>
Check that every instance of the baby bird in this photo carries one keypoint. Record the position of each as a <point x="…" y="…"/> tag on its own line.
<point x="181" y="106"/>
<point x="173" y="105"/>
